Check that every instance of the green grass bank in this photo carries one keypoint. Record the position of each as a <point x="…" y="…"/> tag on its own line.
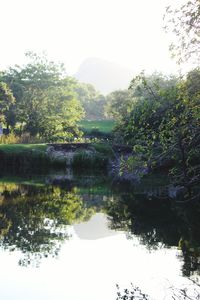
<point x="23" y="148"/>
<point x="22" y="157"/>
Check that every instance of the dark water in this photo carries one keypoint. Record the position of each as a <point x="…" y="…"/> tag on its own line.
<point x="76" y="237"/>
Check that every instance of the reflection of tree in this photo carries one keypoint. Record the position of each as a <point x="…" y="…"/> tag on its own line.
<point x="190" y="239"/>
<point x="131" y="294"/>
<point x="151" y="220"/>
<point x="34" y="220"/>
<point x="191" y="291"/>
<point x="159" y="222"/>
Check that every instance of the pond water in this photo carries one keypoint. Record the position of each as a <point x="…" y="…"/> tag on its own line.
<point x="76" y="237"/>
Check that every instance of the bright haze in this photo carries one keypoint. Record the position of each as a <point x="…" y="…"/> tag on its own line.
<point x="124" y="32"/>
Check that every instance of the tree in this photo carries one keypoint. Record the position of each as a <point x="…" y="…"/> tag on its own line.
<point x="184" y="22"/>
<point x="151" y="97"/>
<point x="118" y="104"/>
<point x="164" y="126"/>
<point x="45" y="99"/>
<point x="92" y="101"/>
<point x="6" y="100"/>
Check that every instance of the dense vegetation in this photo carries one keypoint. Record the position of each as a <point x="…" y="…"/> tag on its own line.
<point x="40" y="101"/>
<point x="163" y="124"/>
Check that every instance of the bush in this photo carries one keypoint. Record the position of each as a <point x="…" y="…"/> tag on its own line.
<point x="25" y="138"/>
<point x="9" y="139"/>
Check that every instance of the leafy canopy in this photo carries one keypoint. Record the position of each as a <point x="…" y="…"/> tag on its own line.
<point x="46" y="103"/>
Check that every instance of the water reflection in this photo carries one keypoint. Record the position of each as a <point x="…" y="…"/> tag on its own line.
<point x="36" y="217"/>
<point x="159" y="224"/>
<point x="96" y="228"/>
<point x="34" y="220"/>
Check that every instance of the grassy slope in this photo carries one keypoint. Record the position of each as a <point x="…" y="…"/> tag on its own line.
<point x="37" y="181"/>
<point x="20" y="148"/>
<point x="105" y="126"/>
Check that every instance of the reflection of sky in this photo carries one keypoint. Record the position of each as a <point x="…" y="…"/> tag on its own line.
<point x="96" y="228"/>
<point x="89" y="269"/>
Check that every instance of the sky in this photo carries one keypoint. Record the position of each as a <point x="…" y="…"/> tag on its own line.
<point x="127" y="32"/>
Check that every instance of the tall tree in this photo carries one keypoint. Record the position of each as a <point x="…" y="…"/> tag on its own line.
<point x="92" y="101"/>
<point x="164" y="125"/>
<point x="119" y="104"/>
<point x="45" y="100"/>
<point x="6" y="100"/>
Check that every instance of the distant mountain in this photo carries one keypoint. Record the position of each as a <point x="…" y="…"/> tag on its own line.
<point x="104" y="75"/>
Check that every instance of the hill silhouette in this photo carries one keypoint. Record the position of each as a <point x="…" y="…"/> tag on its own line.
<point x="104" y="75"/>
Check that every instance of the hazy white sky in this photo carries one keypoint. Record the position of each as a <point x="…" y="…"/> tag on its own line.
<point x="128" y="32"/>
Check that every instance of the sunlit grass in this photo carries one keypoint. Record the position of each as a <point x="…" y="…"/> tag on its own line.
<point x="105" y="126"/>
<point x="12" y="183"/>
<point x="19" y="148"/>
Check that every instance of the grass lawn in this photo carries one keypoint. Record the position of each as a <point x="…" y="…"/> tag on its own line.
<point x="20" y="148"/>
<point x="12" y="182"/>
<point x="105" y="126"/>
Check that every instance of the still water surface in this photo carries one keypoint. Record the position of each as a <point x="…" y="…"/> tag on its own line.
<point x="66" y="237"/>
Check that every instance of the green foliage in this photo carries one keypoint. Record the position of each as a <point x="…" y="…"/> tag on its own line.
<point x="91" y="100"/>
<point x="153" y="96"/>
<point x="6" y="100"/>
<point x="49" y="105"/>
<point x="118" y="104"/>
<point x="163" y="126"/>
<point x="45" y="100"/>
<point x="9" y="139"/>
